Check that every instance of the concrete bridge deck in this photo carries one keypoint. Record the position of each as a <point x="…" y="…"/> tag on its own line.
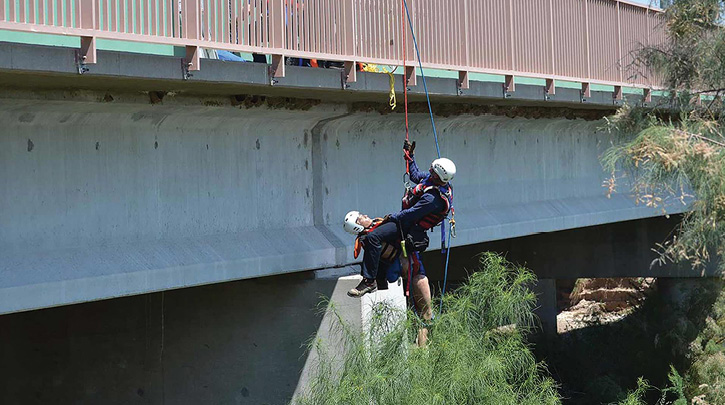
<point x="172" y="183"/>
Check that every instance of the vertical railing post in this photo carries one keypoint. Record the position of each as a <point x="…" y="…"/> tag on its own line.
<point x="588" y="46"/>
<point x="191" y="21"/>
<point x="649" y="27"/>
<point x="348" y="30"/>
<point x="551" y="37"/>
<point x="410" y="58"/>
<point x="87" y="15"/>
<point x="619" y="44"/>
<point x="512" y="54"/>
<point x="586" y="91"/>
<point x="550" y="88"/>
<point x="277" y="33"/>
<point x="463" y="43"/>
<point x="618" y="95"/>
<point x="509" y="85"/>
<point x="276" y="24"/>
<point x="647" y="96"/>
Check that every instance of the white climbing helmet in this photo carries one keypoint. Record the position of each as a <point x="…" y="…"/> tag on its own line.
<point x="444" y="168"/>
<point x="351" y="225"/>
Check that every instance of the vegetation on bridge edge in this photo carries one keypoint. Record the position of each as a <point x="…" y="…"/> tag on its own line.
<point x="682" y="158"/>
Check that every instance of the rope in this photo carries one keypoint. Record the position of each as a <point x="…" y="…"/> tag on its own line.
<point x="445" y="274"/>
<point x="447" y="250"/>
<point x="407" y="137"/>
<point x="405" y="83"/>
<point x="425" y="86"/>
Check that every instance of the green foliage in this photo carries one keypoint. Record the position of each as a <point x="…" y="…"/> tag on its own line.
<point x="473" y="355"/>
<point x="675" y="390"/>
<point x="706" y="377"/>
<point x="693" y="57"/>
<point x="671" y="162"/>
<point x="684" y="158"/>
<point x="681" y="157"/>
<point x="637" y="397"/>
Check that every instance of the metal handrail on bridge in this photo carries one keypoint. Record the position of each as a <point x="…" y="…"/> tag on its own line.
<point x="585" y="41"/>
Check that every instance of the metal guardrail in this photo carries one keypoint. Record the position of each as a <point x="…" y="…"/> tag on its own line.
<point x="587" y="41"/>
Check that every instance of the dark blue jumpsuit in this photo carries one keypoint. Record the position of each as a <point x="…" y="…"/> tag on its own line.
<point x="404" y="220"/>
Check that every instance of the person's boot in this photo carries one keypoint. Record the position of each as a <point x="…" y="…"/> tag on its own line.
<point x="365" y="286"/>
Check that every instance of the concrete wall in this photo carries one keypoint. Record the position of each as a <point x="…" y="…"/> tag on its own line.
<point x="232" y="343"/>
<point x="106" y="197"/>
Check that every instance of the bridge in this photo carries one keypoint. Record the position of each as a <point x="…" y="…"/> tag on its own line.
<point x="134" y="170"/>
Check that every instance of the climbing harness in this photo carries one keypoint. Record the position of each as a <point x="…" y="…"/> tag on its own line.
<point x="414" y="194"/>
<point x="388" y="251"/>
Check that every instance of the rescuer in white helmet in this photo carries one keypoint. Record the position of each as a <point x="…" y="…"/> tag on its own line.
<point x="424" y="207"/>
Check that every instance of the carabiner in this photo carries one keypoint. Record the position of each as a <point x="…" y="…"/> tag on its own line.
<point x="406" y="180"/>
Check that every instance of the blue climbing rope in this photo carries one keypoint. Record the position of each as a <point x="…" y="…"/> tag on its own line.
<point x="445" y="274"/>
<point x="438" y="151"/>
<point x="422" y="75"/>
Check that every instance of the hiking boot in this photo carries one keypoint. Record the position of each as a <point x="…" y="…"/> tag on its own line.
<point x="365" y="286"/>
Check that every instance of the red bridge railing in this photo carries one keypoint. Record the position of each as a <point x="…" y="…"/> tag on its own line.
<point x="587" y="41"/>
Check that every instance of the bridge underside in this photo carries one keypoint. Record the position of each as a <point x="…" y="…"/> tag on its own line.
<point x="622" y="249"/>
<point x="244" y="342"/>
<point x="109" y="195"/>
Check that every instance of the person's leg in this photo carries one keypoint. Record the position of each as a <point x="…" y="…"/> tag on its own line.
<point x="421" y="293"/>
<point x="373" y="245"/>
<point x="382" y="278"/>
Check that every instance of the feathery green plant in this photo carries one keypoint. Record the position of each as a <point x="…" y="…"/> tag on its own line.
<point x="636" y="397"/>
<point x="705" y="380"/>
<point x="676" y="389"/>
<point x="681" y="162"/>
<point x="471" y="357"/>
<point x="683" y="156"/>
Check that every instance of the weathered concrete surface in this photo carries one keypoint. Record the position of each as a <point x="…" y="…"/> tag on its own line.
<point x="231" y="343"/>
<point x="242" y="342"/>
<point x="355" y="314"/>
<point x="106" y="198"/>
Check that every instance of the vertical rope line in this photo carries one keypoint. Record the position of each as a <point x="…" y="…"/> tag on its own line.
<point x="405" y="82"/>
<point x="425" y="85"/>
<point x="445" y="274"/>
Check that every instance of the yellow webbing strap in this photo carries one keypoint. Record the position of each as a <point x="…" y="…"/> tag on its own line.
<point x="369" y="67"/>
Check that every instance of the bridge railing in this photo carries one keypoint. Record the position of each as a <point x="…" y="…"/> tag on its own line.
<point x="587" y="41"/>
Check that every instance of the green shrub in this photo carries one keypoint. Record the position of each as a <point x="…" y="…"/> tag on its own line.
<point x="637" y="397"/>
<point x="706" y="377"/>
<point x="470" y="358"/>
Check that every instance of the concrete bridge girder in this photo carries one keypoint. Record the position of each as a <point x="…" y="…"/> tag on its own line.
<point x="112" y="199"/>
